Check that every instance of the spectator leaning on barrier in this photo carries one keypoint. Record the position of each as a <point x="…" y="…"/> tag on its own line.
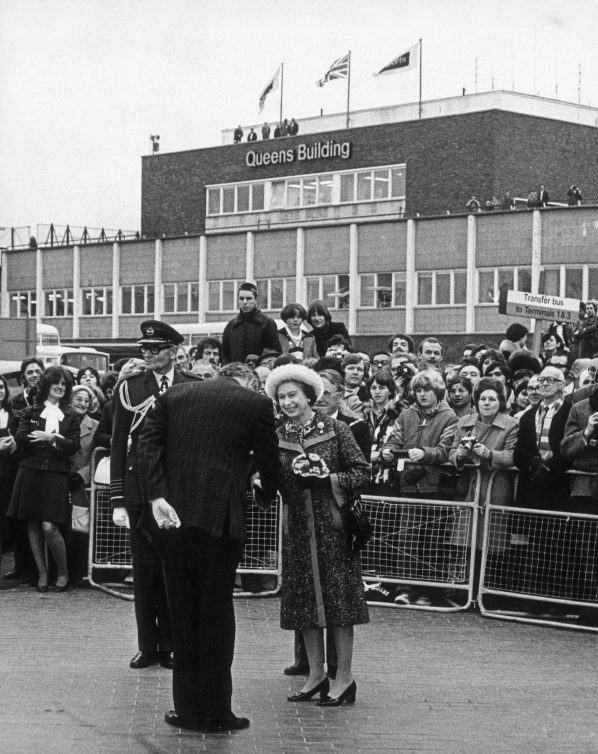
<point x="250" y="331"/>
<point x="542" y="480"/>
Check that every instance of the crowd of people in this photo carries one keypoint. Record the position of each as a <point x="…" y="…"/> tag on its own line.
<point x="387" y="423"/>
<point x="533" y="199"/>
<point x="284" y="127"/>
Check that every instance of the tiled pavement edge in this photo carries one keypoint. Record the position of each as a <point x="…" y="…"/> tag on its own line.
<point x="426" y="683"/>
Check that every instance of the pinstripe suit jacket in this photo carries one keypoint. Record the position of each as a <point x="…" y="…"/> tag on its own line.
<point x="195" y="450"/>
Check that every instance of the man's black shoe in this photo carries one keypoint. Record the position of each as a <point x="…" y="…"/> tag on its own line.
<point x="166" y="660"/>
<point x="231" y="722"/>
<point x="190" y="723"/>
<point x="143" y="660"/>
<point x="297" y="669"/>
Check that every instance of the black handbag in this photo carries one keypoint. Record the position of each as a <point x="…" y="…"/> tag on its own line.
<point x="360" y="527"/>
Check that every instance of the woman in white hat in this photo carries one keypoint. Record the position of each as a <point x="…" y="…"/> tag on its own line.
<point x="321" y="575"/>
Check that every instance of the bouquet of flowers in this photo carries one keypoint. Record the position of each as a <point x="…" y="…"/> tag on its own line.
<point x="310" y="469"/>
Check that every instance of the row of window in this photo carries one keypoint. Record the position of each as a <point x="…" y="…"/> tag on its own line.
<point x="308" y="191"/>
<point x="376" y="290"/>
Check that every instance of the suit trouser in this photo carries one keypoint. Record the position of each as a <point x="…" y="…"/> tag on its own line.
<point x="151" y="606"/>
<point x="200" y="576"/>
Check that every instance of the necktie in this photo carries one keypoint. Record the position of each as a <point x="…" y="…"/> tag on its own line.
<point x="163" y="384"/>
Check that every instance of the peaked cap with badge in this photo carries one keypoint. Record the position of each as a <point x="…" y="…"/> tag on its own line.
<point x="155" y="332"/>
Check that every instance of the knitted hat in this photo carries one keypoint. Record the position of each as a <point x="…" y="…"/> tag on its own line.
<point x="293" y="373"/>
<point x="516" y="331"/>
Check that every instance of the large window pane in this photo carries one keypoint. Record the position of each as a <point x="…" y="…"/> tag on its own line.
<point x="593" y="283"/>
<point x="367" y="290"/>
<point x="183" y="298"/>
<point x="325" y="184"/>
<point x="364" y="186"/>
<point x="291" y="291"/>
<point x="257" y="196"/>
<point x="262" y="293"/>
<point x="343" y="287"/>
<point x="138" y="299"/>
<point x="213" y="201"/>
<point x="87" y="294"/>
<point x="98" y="302"/>
<point x="443" y="288"/>
<point x="276" y="297"/>
<point x="400" y="289"/>
<point x="398" y="182"/>
<point x="329" y="286"/>
<point x="214" y="297"/>
<point x="242" y="198"/>
<point x="384" y="297"/>
<point x="381" y="184"/>
<point x="460" y="292"/>
<point x="32" y="308"/>
<point x="424" y="289"/>
<point x="194" y="297"/>
<point x="49" y="303"/>
<point x="486" y="287"/>
<point x="169" y="297"/>
<point x="348" y="187"/>
<point x="277" y="195"/>
<point x="108" y="309"/>
<point x="294" y="193"/>
<point x="573" y="282"/>
<point x="524" y="279"/>
<point x="126" y="306"/>
<point x="550" y="282"/>
<point x="228" y="295"/>
<point x="228" y="199"/>
<point x="309" y="191"/>
<point x="313" y="289"/>
<point x="69" y="303"/>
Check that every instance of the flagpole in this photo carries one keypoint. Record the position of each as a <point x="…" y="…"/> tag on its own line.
<point x="281" y="85"/>
<point x="420" y="78"/>
<point x="348" y="87"/>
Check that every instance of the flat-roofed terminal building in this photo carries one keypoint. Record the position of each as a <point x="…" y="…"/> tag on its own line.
<point x="371" y="218"/>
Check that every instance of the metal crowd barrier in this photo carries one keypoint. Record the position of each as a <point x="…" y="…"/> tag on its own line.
<point x="545" y="569"/>
<point x="423" y="545"/>
<point x="109" y="549"/>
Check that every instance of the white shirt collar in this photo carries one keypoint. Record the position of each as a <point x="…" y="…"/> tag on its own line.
<point x="169" y="376"/>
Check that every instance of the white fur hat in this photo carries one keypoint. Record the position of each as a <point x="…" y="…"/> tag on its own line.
<point x="293" y="373"/>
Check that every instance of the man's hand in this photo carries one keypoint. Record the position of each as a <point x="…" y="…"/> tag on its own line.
<point x="165" y="515"/>
<point x="591" y="426"/>
<point x="120" y="517"/>
<point x="8" y="444"/>
<point x="416" y="454"/>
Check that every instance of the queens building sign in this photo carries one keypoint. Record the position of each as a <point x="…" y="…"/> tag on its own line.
<point x="321" y="150"/>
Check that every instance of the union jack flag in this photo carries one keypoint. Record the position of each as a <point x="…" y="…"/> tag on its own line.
<point x="338" y="70"/>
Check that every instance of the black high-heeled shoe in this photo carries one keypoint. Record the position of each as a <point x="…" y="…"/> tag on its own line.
<point x="304" y="696"/>
<point x="348" y="696"/>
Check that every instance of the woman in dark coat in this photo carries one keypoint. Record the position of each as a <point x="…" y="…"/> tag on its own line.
<point x="321" y="576"/>
<point x="47" y="437"/>
<point x="324" y="328"/>
<point x="8" y="446"/>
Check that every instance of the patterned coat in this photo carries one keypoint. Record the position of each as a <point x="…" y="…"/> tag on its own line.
<point x="321" y="575"/>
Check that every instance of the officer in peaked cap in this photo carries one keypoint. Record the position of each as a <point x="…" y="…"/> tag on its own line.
<point x="133" y="399"/>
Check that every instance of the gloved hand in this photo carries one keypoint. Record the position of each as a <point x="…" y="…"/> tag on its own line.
<point x="120" y="517"/>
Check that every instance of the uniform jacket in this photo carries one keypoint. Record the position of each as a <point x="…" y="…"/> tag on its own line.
<point x="195" y="448"/>
<point x="581" y="456"/>
<point x="132" y="400"/>
<point x="46" y="457"/>
<point x="248" y="334"/>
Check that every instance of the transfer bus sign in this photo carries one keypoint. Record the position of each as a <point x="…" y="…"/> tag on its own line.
<point x="542" y="306"/>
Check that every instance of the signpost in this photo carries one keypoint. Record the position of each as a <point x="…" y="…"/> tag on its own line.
<point x="542" y="306"/>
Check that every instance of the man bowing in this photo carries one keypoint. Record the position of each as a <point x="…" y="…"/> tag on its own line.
<point x="195" y="459"/>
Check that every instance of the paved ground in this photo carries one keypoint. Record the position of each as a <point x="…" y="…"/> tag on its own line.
<point x="427" y="682"/>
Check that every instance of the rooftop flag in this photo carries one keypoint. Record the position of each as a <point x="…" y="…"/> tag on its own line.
<point x="273" y="84"/>
<point x="404" y="62"/>
<point x="338" y="70"/>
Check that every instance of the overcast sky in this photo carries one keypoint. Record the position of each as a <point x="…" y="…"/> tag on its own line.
<point x="83" y="83"/>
